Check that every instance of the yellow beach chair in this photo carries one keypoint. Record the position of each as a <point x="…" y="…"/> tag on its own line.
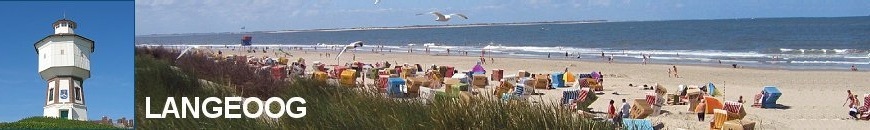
<point x="719" y="118"/>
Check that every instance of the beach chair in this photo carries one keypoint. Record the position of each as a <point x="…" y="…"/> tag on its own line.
<point x="719" y="118"/>
<point x="711" y="104"/>
<point x="320" y="76"/>
<point x="542" y="81"/>
<point x="636" y="124"/>
<point x="772" y="94"/>
<point x="497" y="74"/>
<point x="395" y="87"/>
<point x="757" y="101"/>
<point x="479" y="80"/>
<point x="569" y="78"/>
<point x="586" y="99"/>
<point x="640" y="109"/>
<point x="864" y="111"/>
<point x="653" y="100"/>
<point x="569" y="94"/>
<point x="738" y="125"/>
<point x="348" y="78"/>
<point x="556" y="80"/>
<point x="503" y="87"/>
<point x="735" y="110"/>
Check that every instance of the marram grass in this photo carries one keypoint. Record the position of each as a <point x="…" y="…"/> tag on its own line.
<point x="329" y="106"/>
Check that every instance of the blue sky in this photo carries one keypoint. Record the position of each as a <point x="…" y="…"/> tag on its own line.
<point x="199" y="16"/>
<point x="109" y="91"/>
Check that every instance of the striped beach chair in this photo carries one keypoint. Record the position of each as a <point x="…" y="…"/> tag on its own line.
<point x="569" y="94"/>
<point x="733" y="107"/>
<point x="583" y="94"/>
<point x="865" y="110"/>
<point x="650" y="98"/>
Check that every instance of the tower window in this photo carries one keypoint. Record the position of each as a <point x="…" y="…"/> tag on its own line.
<point x="78" y="93"/>
<point x="61" y="52"/>
<point x="51" y="94"/>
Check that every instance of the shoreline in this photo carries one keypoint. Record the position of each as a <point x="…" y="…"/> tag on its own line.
<point x="594" y="60"/>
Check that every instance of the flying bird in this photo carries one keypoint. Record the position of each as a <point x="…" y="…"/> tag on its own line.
<point x="377" y="1"/>
<point x="185" y="51"/>
<point x="445" y="18"/>
<point x="349" y="46"/>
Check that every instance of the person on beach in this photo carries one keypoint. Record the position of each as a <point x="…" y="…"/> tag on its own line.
<point x="548" y="55"/>
<point x="602" y="54"/>
<point x="849" y="98"/>
<point x="611" y="110"/>
<point x="670" y="74"/>
<point x="491" y="60"/>
<point x="612" y="114"/>
<point x="700" y="109"/>
<point x="853" y="111"/>
<point x="644" y="58"/>
<point x="625" y="109"/>
<point x="740" y="100"/>
<point x="854" y="68"/>
<point x="676" y="75"/>
<point x="610" y="60"/>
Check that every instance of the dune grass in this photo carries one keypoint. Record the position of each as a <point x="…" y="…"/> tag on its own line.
<point x="53" y="123"/>
<point x="328" y="106"/>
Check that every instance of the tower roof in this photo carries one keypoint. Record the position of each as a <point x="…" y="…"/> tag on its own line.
<point x="36" y="47"/>
<point x="64" y="20"/>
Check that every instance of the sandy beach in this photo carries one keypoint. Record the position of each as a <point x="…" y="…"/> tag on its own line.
<point x="813" y="98"/>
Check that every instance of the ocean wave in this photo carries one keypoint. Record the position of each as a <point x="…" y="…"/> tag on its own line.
<point x="821" y="51"/>
<point x="830" y="62"/>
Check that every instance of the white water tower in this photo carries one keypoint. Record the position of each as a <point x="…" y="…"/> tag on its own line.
<point x="64" y="63"/>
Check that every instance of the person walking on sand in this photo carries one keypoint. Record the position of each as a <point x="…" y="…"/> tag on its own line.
<point x="849" y="98"/>
<point x="611" y="110"/>
<point x="676" y="74"/>
<point x="624" y="109"/>
<point x="700" y="109"/>
<point x="670" y="74"/>
<point x="548" y="55"/>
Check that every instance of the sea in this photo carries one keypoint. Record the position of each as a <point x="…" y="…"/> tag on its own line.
<point x="830" y="43"/>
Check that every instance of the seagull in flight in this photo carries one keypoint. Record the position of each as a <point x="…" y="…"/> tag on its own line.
<point x="444" y="18"/>
<point x="349" y="46"/>
<point x="377" y="1"/>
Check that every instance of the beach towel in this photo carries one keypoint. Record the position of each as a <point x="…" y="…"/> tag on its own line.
<point x="637" y="124"/>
